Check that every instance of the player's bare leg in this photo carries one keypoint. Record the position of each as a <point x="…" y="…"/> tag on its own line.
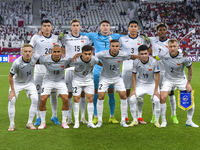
<point x="123" y="98"/>
<point x="163" y="97"/>
<point x="83" y="105"/>
<point x="100" y="101"/>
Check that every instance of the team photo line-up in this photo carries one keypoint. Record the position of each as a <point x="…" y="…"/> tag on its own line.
<point x="89" y="75"/>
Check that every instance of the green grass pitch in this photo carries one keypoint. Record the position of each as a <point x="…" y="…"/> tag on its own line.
<point x="109" y="136"/>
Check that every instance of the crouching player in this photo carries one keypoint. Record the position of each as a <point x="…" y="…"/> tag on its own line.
<point x="54" y="80"/>
<point x="22" y="70"/>
<point x="174" y="76"/>
<point x="146" y="68"/>
<point x="83" y="81"/>
<point x="111" y="75"/>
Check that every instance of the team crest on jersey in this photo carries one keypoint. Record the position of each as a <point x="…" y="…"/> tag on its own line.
<point x="62" y="66"/>
<point x="91" y="67"/>
<point x="150" y="69"/>
<point x="119" y="61"/>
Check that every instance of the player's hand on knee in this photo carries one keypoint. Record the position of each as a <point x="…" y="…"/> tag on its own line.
<point x="133" y="93"/>
<point x="156" y="93"/>
<point x="40" y="33"/>
<point x="11" y="95"/>
<point x="188" y="87"/>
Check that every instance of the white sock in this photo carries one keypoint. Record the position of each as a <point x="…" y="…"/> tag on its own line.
<point x="163" y="108"/>
<point x="54" y="104"/>
<point x="132" y="101"/>
<point x="123" y="109"/>
<point x="172" y="101"/>
<point x="33" y="108"/>
<point x="38" y="106"/>
<point x="70" y="108"/>
<point x="153" y="108"/>
<point x="100" y="109"/>
<point x="11" y="110"/>
<point x="83" y="105"/>
<point x="127" y="101"/>
<point x="190" y="113"/>
<point x="76" y="112"/>
<point x="64" y="115"/>
<point x="43" y="115"/>
<point x="140" y="106"/>
<point x="90" y="109"/>
<point x="156" y="101"/>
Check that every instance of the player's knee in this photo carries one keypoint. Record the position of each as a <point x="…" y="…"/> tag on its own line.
<point x="156" y="99"/>
<point x="76" y="99"/>
<point x="100" y="97"/>
<point x="90" y="99"/>
<point x="34" y="98"/>
<point x="65" y="99"/>
<point x="12" y="102"/>
<point x="163" y="99"/>
<point x="123" y="96"/>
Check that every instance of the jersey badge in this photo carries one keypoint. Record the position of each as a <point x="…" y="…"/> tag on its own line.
<point x="119" y="61"/>
<point x="178" y="63"/>
<point x="62" y="66"/>
<point x="138" y="43"/>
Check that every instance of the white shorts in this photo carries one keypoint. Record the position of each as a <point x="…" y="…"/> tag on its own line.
<point x="142" y="89"/>
<point x="29" y="87"/>
<point x="78" y="87"/>
<point x="38" y="79"/>
<point x="59" y="86"/>
<point x="168" y="85"/>
<point x="127" y="78"/>
<point x="104" y="83"/>
<point x="68" y="79"/>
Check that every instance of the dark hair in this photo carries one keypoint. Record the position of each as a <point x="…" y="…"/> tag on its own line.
<point x="86" y="48"/>
<point x="74" y="20"/>
<point x="114" y="40"/>
<point x="142" y="48"/>
<point x="161" y="25"/>
<point x="45" y="21"/>
<point x="104" y="21"/>
<point x="133" y="21"/>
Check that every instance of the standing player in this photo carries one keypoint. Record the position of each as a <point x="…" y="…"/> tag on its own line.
<point x="54" y="80"/>
<point x="102" y="42"/>
<point x="147" y="67"/>
<point x="42" y="45"/>
<point x="22" y="70"/>
<point x="160" y="45"/>
<point x="174" y="76"/>
<point x="83" y="81"/>
<point x="130" y="44"/>
<point x="73" y="44"/>
<point x="111" y="75"/>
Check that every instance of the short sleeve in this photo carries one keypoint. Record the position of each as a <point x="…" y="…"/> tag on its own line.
<point x="156" y="67"/>
<point x="188" y="63"/>
<point x="33" y="41"/>
<point x="134" y="69"/>
<point x="126" y="56"/>
<point x="14" y="68"/>
<point x="96" y="60"/>
<point x="41" y="59"/>
<point x="99" y="55"/>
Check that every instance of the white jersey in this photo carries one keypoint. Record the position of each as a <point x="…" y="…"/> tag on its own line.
<point x="146" y="70"/>
<point x="174" y="66"/>
<point x="159" y="47"/>
<point x="130" y="46"/>
<point x="73" y="45"/>
<point x="54" y="70"/>
<point x="23" y="71"/>
<point x="111" y="64"/>
<point x="43" y="45"/>
<point x="83" y="70"/>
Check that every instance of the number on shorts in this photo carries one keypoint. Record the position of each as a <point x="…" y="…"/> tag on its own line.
<point x="28" y="73"/>
<point x="42" y="90"/>
<point x="172" y="70"/>
<point x="38" y="87"/>
<point x="85" y="73"/>
<point x="100" y="86"/>
<point x="74" y="89"/>
<point x="159" y="50"/>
